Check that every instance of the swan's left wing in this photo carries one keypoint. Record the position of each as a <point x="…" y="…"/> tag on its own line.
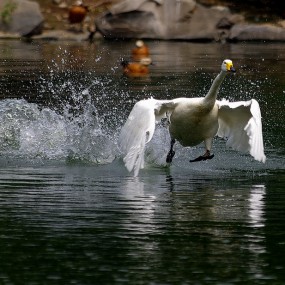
<point x="240" y="123"/>
<point x="138" y="130"/>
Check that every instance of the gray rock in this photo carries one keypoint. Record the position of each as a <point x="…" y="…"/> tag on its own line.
<point x="165" y="19"/>
<point x="257" y="32"/>
<point x="21" y="17"/>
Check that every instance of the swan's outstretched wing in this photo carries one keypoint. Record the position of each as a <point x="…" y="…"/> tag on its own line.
<point x="138" y="130"/>
<point x="240" y="123"/>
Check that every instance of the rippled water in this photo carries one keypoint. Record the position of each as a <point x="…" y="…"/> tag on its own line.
<point x="70" y="213"/>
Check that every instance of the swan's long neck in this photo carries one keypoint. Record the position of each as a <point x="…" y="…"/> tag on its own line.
<point x="211" y="97"/>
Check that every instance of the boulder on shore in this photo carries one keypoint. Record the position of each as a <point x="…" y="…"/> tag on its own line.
<point x="257" y="32"/>
<point x="20" y="17"/>
<point x="182" y="20"/>
<point x="166" y="19"/>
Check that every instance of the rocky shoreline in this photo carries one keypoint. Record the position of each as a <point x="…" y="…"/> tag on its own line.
<point x="146" y="19"/>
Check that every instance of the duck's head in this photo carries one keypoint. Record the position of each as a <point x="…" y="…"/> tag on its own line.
<point x="227" y="66"/>
<point x="139" y="43"/>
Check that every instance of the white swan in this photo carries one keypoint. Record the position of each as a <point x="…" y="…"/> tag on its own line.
<point x="192" y="121"/>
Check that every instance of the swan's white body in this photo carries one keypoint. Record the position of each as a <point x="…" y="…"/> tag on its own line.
<point x="192" y="121"/>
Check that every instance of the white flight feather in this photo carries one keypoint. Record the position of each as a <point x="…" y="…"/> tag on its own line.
<point x="240" y="123"/>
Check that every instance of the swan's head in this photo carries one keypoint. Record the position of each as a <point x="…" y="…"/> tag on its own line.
<point x="227" y="65"/>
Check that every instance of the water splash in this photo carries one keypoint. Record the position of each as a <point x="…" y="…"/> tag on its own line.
<point x="30" y="132"/>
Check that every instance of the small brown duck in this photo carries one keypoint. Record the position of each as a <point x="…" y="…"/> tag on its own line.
<point x="141" y="50"/>
<point x="77" y="13"/>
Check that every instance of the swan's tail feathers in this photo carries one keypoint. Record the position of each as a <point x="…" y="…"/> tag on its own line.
<point x="137" y="131"/>
<point x="240" y="123"/>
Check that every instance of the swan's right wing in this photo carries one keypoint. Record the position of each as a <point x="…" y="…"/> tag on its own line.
<point x="138" y="130"/>
<point x="240" y="123"/>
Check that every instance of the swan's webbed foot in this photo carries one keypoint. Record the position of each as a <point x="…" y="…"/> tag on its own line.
<point x="205" y="156"/>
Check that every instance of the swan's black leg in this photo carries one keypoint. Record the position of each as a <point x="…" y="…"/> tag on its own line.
<point x="205" y="156"/>
<point x="171" y="152"/>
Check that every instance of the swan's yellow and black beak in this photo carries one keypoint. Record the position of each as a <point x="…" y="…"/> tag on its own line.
<point x="230" y="66"/>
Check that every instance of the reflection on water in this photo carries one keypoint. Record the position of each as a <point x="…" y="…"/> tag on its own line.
<point x="256" y="210"/>
<point x="83" y="224"/>
<point x="80" y="226"/>
<point x="71" y="214"/>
